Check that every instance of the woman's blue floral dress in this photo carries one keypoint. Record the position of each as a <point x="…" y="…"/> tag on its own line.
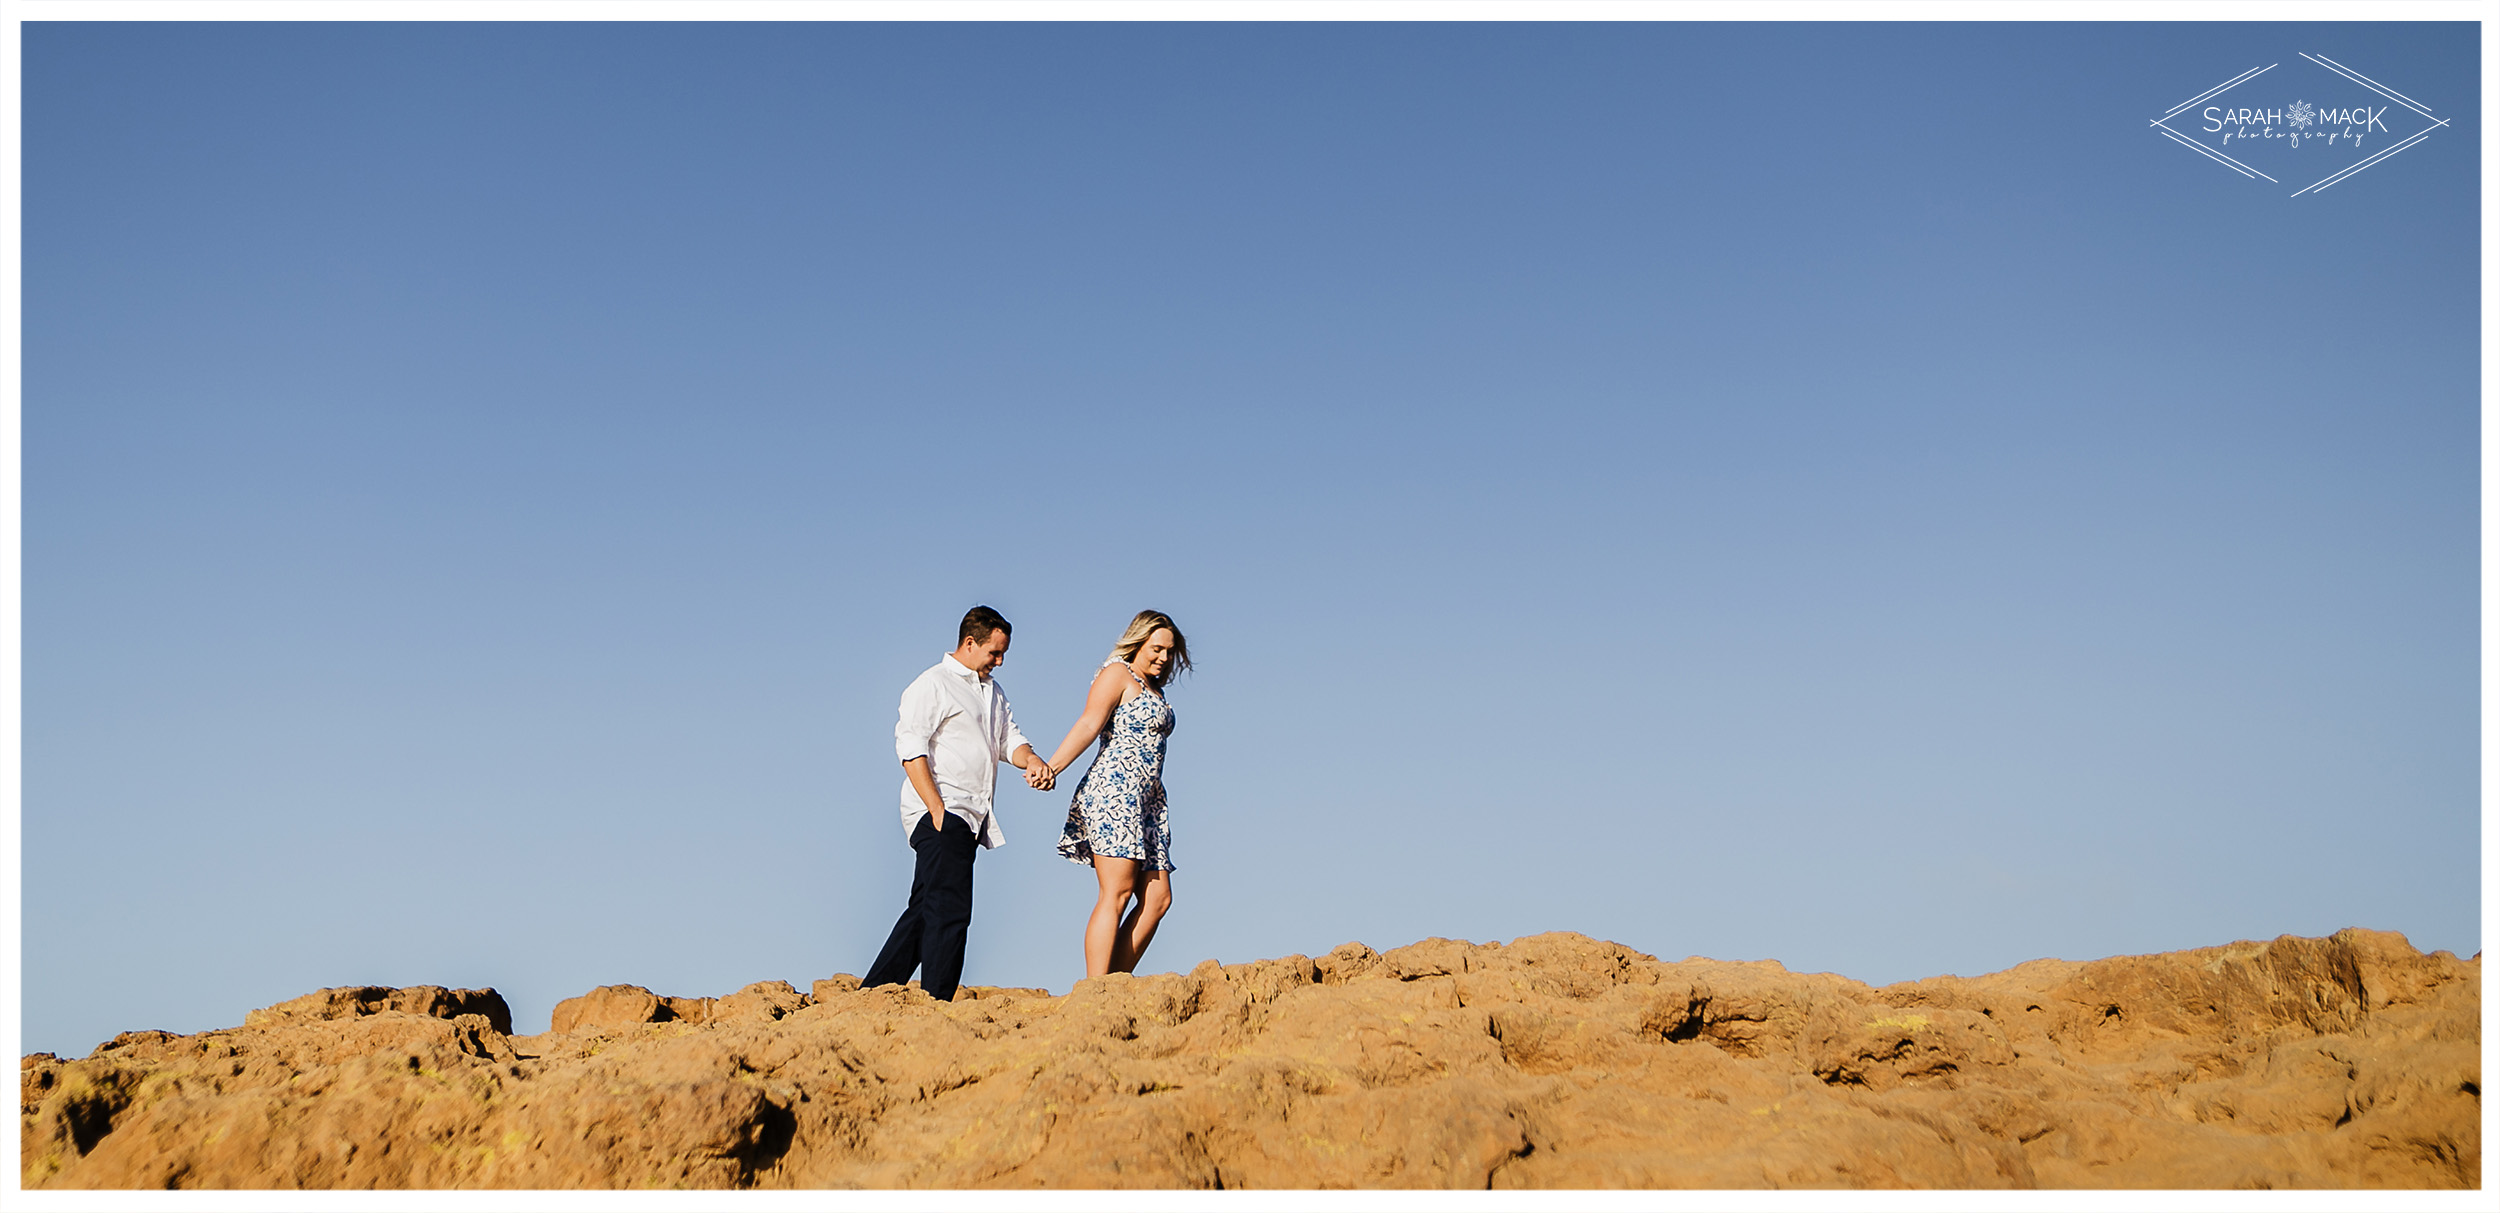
<point x="1118" y="809"/>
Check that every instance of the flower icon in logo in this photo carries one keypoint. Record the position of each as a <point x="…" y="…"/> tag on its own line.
<point x="2301" y="115"/>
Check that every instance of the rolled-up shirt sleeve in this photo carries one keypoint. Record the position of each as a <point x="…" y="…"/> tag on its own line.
<point x="916" y="723"/>
<point x="1016" y="739"/>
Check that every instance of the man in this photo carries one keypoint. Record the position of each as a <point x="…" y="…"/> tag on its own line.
<point x="953" y="732"/>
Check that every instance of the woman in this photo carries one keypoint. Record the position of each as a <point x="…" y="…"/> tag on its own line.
<point x="1116" y="822"/>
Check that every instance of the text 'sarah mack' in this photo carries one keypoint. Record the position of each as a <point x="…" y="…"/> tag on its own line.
<point x="2300" y="117"/>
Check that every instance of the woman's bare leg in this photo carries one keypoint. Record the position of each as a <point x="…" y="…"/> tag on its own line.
<point x="1116" y="881"/>
<point x="1154" y="897"/>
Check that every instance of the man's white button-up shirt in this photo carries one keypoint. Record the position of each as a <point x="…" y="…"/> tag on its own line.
<point x="959" y="721"/>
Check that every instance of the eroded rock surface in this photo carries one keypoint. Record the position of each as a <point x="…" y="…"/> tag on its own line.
<point x="352" y="1002"/>
<point x="1554" y="1061"/>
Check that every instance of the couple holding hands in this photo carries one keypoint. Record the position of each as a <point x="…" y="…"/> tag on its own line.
<point x="955" y="729"/>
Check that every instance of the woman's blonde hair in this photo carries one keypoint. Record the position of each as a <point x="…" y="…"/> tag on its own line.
<point x="1135" y="635"/>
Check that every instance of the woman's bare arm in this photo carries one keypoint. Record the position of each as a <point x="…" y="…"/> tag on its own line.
<point x="1100" y="703"/>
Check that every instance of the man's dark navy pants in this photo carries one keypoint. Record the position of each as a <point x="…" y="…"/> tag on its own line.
<point x="930" y="934"/>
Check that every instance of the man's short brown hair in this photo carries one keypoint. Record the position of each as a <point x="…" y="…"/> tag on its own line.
<point x="978" y="623"/>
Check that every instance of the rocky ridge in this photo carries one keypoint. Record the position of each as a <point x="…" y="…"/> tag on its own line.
<point x="1552" y="1061"/>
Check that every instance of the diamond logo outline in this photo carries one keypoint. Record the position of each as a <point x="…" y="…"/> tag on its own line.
<point x="2162" y="125"/>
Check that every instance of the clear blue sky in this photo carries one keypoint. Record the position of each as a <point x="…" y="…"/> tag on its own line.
<point x="1845" y="494"/>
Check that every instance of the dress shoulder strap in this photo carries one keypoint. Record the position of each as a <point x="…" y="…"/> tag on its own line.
<point x="1125" y="668"/>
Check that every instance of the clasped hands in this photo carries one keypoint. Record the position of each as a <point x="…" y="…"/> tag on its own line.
<point x="1038" y="775"/>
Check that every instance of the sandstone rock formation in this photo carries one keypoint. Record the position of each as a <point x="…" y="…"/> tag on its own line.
<point x="1554" y="1061"/>
<point x="351" y="1002"/>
